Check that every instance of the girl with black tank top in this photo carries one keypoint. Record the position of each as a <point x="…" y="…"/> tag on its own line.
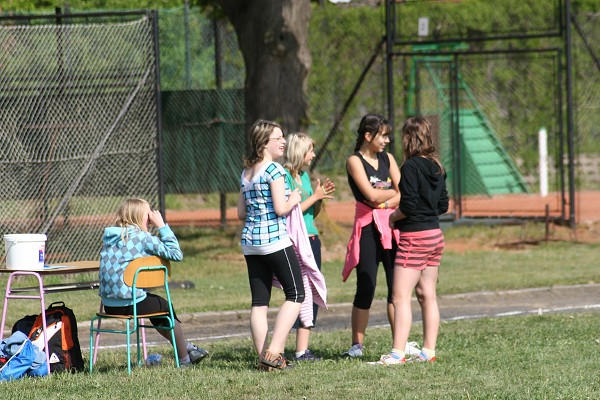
<point x="379" y="178"/>
<point x="373" y="176"/>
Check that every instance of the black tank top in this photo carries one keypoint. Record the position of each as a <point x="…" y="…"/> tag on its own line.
<point x="379" y="179"/>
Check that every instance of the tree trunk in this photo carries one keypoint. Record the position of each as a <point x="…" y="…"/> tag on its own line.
<point x="272" y="36"/>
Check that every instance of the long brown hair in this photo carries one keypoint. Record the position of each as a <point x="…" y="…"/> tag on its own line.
<point x="259" y="138"/>
<point x="417" y="140"/>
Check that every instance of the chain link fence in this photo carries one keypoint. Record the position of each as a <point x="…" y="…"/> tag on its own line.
<point x="492" y="88"/>
<point x="586" y="56"/>
<point x="78" y="126"/>
<point x="346" y="81"/>
<point x="202" y="78"/>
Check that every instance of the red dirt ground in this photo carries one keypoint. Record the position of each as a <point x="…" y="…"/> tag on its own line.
<point x="587" y="209"/>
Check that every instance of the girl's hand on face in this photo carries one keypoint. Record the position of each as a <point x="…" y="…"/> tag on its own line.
<point x="324" y="191"/>
<point x="156" y="219"/>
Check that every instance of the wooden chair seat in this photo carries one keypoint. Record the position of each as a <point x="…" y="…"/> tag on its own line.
<point x="130" y="316"/>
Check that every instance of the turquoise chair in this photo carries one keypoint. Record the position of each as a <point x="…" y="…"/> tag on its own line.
<point x="141" y="273"/>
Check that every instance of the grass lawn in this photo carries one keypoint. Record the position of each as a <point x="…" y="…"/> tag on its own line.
<point x="538" y="357"/>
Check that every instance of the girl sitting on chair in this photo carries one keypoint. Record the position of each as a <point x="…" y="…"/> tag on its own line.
<point x="128" y="240"/>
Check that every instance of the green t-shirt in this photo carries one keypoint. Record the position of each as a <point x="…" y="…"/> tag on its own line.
<point x="306" y="190"/>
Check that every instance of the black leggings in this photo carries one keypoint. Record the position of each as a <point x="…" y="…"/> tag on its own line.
<point x="284" y="265"/>
<point x="151" y="304"/>
<point x="371" y="253"/>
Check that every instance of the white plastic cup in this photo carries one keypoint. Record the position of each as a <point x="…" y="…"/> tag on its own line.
<point x="25" y="251"/>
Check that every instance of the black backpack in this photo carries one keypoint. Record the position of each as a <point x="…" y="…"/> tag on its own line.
<point x="63" y="341"/>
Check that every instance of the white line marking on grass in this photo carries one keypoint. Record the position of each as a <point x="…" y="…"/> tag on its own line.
<point x="538" y="311"/>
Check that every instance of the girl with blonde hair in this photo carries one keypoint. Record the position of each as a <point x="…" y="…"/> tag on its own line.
<point x="130" y="239"/>
<point x="299" y="154"/>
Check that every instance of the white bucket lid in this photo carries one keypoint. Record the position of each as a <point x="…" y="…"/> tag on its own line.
<point x="25" y="237"/>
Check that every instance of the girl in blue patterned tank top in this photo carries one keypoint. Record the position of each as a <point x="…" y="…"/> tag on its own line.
<point x="263" y="203"/>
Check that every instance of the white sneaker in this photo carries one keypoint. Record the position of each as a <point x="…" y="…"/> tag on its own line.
<point x="389" y="359"/>
<point x="355" y="351"/>
<point x="412" y="349"/>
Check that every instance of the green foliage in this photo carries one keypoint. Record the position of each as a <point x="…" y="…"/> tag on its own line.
<point x="49" y="5"/>
<point x="342" y="40"/>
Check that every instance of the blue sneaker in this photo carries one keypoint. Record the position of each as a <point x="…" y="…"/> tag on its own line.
<point x="197" y="354"/>
<point x="307" y="356"/>
<point x="355" y="351"/>
<point x="420" y="358"/>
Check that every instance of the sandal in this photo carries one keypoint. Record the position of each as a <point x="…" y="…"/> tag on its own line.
<point x="273" y="362"/>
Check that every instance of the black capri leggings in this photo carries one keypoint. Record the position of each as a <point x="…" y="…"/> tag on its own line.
<point x="371" y="254"/>
<point x="284" y="265"/>
<point x="151" y="304"/>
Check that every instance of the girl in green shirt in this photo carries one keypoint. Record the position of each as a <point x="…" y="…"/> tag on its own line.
<point x="299" y="154"/>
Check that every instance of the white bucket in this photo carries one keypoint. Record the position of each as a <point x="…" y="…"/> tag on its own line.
<point x="25" y="251"/>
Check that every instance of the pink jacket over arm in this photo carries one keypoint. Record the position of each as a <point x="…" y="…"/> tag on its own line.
<point x="315" y="290"/>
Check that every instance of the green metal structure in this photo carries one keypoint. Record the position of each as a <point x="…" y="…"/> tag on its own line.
<point x="484" y="165"/>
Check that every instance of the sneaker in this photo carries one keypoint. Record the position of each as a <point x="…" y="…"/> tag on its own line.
<point x="412" y="349"/>
<point x="421" y="357"/>
<point x="355" y="351"/>
<point x="197" y="354"/>
<point x="307" y="356"/>
<point x="273" y="362"/>
<point x="390" y="359"/>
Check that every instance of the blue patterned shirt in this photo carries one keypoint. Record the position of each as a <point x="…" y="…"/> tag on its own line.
<point x="116" y="254"/>
<point x="263" y="226"/>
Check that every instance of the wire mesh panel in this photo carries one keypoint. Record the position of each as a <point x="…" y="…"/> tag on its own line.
<point x="586" y="54"/>
<point x="204" y="142"/>
<point x="343" y="41"/>
<point x="202" y="78"/>
<point x="505" y="100"/>
<point x="78" y="127"/>
<point x="488" y="76"/>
